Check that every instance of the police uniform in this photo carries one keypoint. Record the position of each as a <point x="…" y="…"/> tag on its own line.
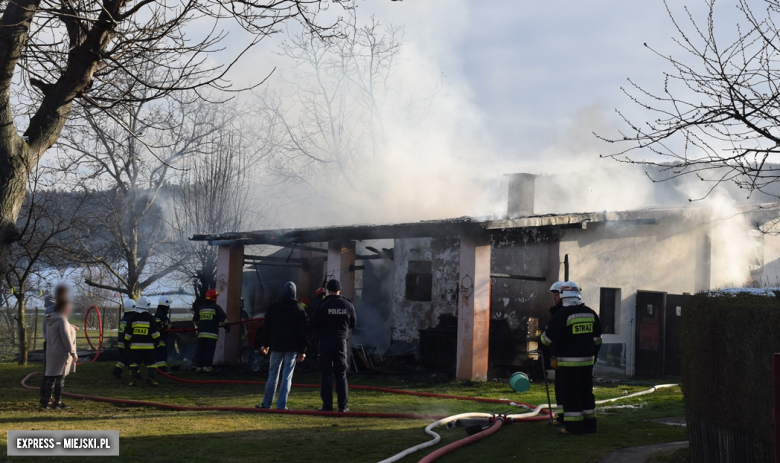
<point x="124" y="361"/>
<point x="141" y="338"/>
<point x="161" y="352"/>
<point x="575" y="330"/>
<point x="333" y="318"/>
<point x="209" y="317"/>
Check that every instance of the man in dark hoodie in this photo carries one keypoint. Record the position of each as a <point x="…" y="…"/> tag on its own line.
<point x="284" y="335"/>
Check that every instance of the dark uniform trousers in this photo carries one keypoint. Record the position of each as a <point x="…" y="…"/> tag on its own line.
<point x="558" y="398"/>
<point x="204" y="357"/>
<point x="576" y="387"/>
<point x="333" y="360"/>
<point x="123" y="362"/>
<point x="139" y="356"/>
<point x="161" y="353"/>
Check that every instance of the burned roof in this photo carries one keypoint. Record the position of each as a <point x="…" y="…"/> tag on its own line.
<point x="459" y="226"/>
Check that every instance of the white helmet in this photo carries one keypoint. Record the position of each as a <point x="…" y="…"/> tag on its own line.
<point x="570" y="289"/>
<point x="556" y="287"/>
<point x="164" y="300"/>
<point x="129" y="305"/>
<point x="143" y="304"/>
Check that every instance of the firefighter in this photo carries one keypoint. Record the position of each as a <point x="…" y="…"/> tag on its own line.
<point x="209" y="318"/>
<point x="550" y="363"/>
<point x="333" y="318"/>
<point x="575" y="331"/>
<point x="141" y="338"/>
<point x="319" y="295"/>
<point x="121" y="365"/>
<point x="163" y="323"/>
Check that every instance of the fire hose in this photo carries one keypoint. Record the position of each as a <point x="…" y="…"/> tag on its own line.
<point x="100" y="333"/>
<point x="452" y="421"/>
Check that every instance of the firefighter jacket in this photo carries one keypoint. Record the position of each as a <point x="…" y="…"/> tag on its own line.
<point x="575" y="334"/>
<point x="547" y="351"/>
<point x="209" y="318"/>
<point x="163" y="323"/>
<point x="333" y="318"/>
<point x="120" y="335"/>
<point x="141" y="332"/>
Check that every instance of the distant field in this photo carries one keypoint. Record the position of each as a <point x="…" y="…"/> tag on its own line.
<point x="149" y="434"/>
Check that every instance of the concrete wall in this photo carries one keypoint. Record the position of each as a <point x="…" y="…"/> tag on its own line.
<point x="408" y="317"/>
<point x="532" y="252"/>
<point x="663" y="257"/>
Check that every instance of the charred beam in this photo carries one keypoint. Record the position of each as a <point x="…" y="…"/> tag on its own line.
<point x="517" y="277"/>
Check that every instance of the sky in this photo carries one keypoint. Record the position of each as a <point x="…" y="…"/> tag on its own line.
<point x="528" y="84"/>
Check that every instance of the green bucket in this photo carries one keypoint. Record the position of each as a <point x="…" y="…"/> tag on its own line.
<point x="519" y="382"/>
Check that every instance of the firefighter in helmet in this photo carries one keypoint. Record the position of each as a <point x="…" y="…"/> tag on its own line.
<point x="163" y="323"/>
<point x="550" y="362"/>
<point x="124" y="361"/>
<point x="141" y="338"/>
<point x="575" y="332"/>
<point x="209" y="318"/>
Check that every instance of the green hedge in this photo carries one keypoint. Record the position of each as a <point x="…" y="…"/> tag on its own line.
<point x="727" y="342"/>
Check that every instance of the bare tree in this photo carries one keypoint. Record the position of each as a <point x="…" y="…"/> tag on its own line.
<point x="47" y="219"/>
<point x="213" y="197"/>
<point x="87" y="52"/>
<point x="129" y="157"/>
<point x="718" y="115"/>
<point x="333" y="113"/>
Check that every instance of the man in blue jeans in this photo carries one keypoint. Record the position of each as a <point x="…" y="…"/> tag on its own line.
<point x="284" y="335"/>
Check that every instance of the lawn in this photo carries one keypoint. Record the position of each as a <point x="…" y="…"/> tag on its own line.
<point x="148" y="434"/>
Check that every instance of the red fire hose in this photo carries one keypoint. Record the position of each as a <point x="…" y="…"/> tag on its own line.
<point x="365" y="388"/>
<point x="100" y="333"/>
<point x="464" y="442"/>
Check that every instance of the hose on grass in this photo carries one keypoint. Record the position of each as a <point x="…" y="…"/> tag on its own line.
<point x="356" y="387"/>
<point x="494" y="428"/>
<point x="532" y="415"/>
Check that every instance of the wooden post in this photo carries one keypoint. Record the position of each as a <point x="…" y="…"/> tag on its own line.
<point x="341" y="262"/>
<point x="474" y="308"/>
<point x="230" y="276"/>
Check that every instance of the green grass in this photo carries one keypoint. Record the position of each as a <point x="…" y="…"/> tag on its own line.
<point x="148" y="434"/>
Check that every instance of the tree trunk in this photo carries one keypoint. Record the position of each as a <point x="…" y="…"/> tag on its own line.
<point x="13" y="187"/>
<point x="20" y="318"/>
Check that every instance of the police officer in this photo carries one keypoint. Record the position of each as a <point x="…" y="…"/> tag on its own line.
<point x="163" y="323"/>
<point x="551" y="364"/>
<point x="124" y="361"/>
<point x="209" y="318"/>
<point x="333" y="318"/>
<point x="141" y="338"/>
<point x="575" y="330"/>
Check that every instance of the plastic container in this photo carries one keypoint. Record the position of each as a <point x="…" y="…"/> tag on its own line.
<point x="519" y="382"/>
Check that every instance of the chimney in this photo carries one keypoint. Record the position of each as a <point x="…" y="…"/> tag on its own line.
<point x="521" y="195"/>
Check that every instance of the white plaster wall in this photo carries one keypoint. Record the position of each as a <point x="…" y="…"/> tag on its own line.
<point x="631" y="258"/>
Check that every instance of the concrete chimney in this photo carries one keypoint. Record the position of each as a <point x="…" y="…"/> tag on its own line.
<point x="521" y="195"/>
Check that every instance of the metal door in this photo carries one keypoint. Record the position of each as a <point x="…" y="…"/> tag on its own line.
<point x="649" y="351"/>
<point x="674" y="307"/>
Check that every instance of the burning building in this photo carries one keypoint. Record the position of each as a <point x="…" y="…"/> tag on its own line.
<point x="475" y="292"/>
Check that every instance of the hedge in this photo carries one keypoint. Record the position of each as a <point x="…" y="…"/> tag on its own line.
<point x="727" y="342"/>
